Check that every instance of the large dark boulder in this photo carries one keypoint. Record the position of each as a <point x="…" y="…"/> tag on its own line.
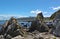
<point x="56" y="23"/>
<point x="40" y="17"/>
<point x="56" y="31"/>
<point x="12" y="28"/>
<point x="38" y="24"/>
<point x="33" y="26"/>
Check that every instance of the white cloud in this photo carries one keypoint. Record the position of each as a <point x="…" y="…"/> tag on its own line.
<point x="4" y="17"/>
<point x="56" y="8"/>
<point x="13" y="15"/>
<point x="45" y="13"/>
<point x="35" y="11"/>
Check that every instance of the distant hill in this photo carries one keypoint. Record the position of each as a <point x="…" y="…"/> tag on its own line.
<point x="46" y="18"/>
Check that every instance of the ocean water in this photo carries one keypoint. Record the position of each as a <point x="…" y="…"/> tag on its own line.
<point x="2" y="22"/>
<point x="28" y="24"/>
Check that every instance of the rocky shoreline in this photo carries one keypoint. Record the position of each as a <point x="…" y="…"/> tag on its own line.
<point x="38" y="29"/>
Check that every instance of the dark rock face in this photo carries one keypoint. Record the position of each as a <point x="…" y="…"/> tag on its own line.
<point x="56" y="29"/>
<point x="43" y="28"/>
<point x="55" y="15"/>
<point x="12" y="28"/>
<point x="33" y="26"/>
<point x="40" y="17"/>
<point x="38" y="24"/>
<point x="1" y="29"/>
<point x="56" y="32"/>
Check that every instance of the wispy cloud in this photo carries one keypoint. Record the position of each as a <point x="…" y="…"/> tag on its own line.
<point x="12" y="15"/>
<point x="35" y="11"/>
<point x="4" y="17"/>
<point x="56" y="8"/>
<point x="45" y="13"/>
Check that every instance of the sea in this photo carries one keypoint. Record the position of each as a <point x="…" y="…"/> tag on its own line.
<point x="2" y="22"/>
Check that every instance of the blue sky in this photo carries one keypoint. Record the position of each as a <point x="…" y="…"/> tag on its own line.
<point x="26" y="8"/>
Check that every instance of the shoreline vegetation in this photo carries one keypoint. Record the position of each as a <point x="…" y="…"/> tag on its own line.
<point x="41" y="28"/>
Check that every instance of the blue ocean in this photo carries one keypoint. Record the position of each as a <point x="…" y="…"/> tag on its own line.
<point x="28" y="24"/>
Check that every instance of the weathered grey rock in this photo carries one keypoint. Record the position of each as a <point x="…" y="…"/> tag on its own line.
<point x="8" y="37"/>
<point x="56" y="32"/>
<point x="38" y="38"/>
<point x="18" y="37"/>
<point x="12" y="28"/>
<point x="40" y="17"/>
<point x="33" y="26"/>
<point x="56" y="23"/>
<point x="1" y="37"/>
<point x="38" y="24"/>
<point x="1" y="29"/>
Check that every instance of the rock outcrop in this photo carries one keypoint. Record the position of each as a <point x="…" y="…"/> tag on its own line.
<point x="53" y="16"/>
<point x="11" y="29"/>
<point x="38" y="24"/>
<point x="56" y="23"/>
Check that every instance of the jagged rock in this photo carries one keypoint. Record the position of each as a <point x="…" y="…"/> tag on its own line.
<point x="12" y="28"/>
<point x="40" y="17"/>
<point x="33" y="26"/>
<point x="42" y="28"/>
<point x="1" y="37"/>
<point x="1" y="29"/>
<point x="56" y="21"/>
<point x="55" y="15"/>
<point x="56" y="32"/>
<point x="38" y="24"/>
